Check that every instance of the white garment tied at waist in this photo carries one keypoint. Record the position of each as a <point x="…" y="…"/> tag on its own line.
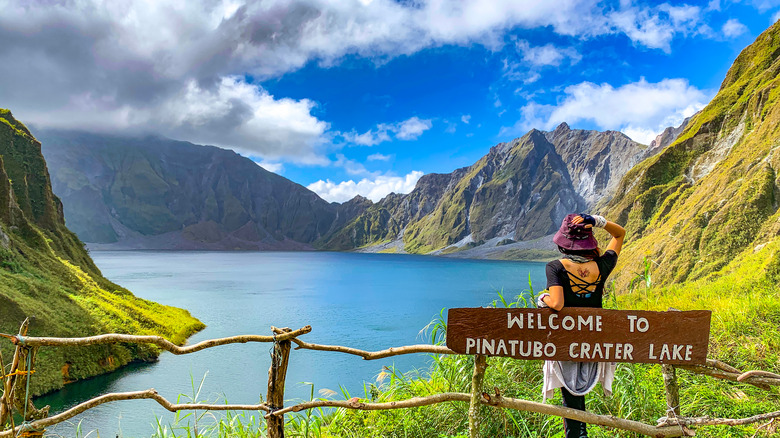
<point x="557" y="374"/>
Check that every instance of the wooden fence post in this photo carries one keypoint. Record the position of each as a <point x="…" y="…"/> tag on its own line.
<point x="672" y="391"/>
<point x="276" y="377"/>
<point x="6" y="406"/>
<point x="477" y="379"/>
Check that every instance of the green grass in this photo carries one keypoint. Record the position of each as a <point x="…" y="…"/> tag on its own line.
<point x="62" y="299"/>
<point x="746" y="314"/>
<point x="744" y="334"/>
<point x="713" y="241"/>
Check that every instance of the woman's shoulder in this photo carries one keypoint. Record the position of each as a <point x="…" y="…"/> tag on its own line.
<point x="554" y="263"/>
<point x="609" y="257"/>
<point x="610" y="253"/>
<point x="554" y="266"/>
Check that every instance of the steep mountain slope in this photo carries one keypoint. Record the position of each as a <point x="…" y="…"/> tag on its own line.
<point x="46" y="274"/>
<point x="710" y="200"/>
<point x="703" y="225"/>
<point x="157" y="193"/>
<point x="519" y="191"/>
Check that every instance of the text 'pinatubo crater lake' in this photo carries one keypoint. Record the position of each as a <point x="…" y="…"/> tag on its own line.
<point x="365" y="301"/>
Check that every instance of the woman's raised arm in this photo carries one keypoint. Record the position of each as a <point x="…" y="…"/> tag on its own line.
<point x="618" y="234"/>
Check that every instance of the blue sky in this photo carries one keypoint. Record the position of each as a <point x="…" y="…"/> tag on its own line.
<point x="363" y="97"/>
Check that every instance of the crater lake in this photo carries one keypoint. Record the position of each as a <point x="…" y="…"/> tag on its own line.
<point x="365" y="301"/>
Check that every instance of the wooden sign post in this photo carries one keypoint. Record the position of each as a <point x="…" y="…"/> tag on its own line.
<point x="582" y="334"/>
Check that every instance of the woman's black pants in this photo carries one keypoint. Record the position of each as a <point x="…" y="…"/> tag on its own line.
<point x="574" y="428"/>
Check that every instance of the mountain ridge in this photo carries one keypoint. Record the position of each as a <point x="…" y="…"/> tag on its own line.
<point x="156" y="193"/>
<point x="495" y="205"/>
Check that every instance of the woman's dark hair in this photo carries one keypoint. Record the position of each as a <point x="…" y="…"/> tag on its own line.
<point x="589" y="253"/>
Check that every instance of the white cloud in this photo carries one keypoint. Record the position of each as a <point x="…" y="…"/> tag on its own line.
<point x="682" y="16"/>
<point x="368" y="138"/>
<point x="243" y="116"/>
<point x="409" y="129"/>
<point x="379" y="157"/>
<point x="642" y="135"/>
<point x="533" y="59"/>
<point x="412" y="128"/>
<point x="547" y="55"/>
<point x="373" y="189"/>
<point x="276" y="168"/>
<point x="656" y="27"/>
<point x="352" y="167"/>
<point x="776" y="17"/>
<point x="451" y="127"/>
<point x="764" y="5"/>
<point x="232" y="114"/>
<point x="642" y="108"/>
<point x="733" y="28"/>
<point x="466" y="118"/>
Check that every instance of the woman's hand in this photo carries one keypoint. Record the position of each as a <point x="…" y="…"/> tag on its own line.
<point x="579" y="219"/>
<point x="618" y="233"/>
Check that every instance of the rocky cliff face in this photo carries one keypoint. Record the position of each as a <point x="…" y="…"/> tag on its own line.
<point x="708" y="203"/>
<point x="519" y="191"/>
<point x="668" y="137"/>
<point x="46" y="274"/>
<point x="158" y="193"/>
<point x="597" y="160"/>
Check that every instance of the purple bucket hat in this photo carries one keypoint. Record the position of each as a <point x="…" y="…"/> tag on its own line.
<point x="575" y="236"/>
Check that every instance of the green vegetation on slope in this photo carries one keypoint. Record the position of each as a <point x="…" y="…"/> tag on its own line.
<point x="46" y="274"/>
<point x="375" y="224"/>
<point x="744" y="334"/>
<point x="713" y="193"/>
<point x="519" y="190"/>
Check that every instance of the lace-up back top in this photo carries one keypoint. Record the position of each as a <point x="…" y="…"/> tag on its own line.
<point x="578" y="292"/>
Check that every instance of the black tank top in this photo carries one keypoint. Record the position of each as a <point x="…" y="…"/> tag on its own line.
<point x="575" y="289"/>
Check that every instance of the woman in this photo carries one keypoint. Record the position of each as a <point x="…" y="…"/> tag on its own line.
<point x="577" y="280"/>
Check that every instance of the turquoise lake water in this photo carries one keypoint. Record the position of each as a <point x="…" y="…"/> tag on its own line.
<point x="366" y="301"/>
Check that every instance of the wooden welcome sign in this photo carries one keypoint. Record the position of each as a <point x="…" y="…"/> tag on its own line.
<point x="582" y="334"/>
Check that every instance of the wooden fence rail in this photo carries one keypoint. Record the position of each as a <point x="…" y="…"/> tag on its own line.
<point x="16" y="382"/>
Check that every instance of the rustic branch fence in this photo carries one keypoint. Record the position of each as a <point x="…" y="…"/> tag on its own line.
<point x="15" y="386"/>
